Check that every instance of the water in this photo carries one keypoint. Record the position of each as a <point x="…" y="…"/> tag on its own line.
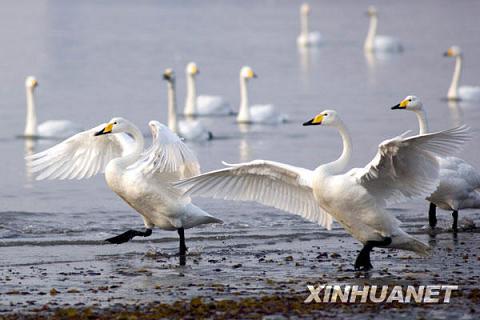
<point x="96" y="60"/>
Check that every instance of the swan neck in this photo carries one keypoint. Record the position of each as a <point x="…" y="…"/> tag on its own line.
<point x="244" y="112"/>
<point x="453" y="90"/>
<point x="31" y="120"/>
<point x="422" y="121"/>
<point x="190" y="104"/>
<point x="372" y="32"/>
<point x="339" y="165"/>
<point x="172" y="106"/>
<point x="304" y="28"/>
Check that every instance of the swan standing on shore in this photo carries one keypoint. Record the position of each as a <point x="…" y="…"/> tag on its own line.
<point x="202" y="105"/>
<point x="376" y="43"/>
<point x="50" y="129"/>
<point x="188" y="129"/>
<point x="455" y="92"/>
<point x="404" y="168"/>
<point x="141" y="178"/>
<point x="266" y="114"/>
<point x="459" y="186"/>
<point x="307" y="38"/>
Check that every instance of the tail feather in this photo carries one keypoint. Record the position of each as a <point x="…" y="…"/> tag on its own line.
<point x="407" y="242"/>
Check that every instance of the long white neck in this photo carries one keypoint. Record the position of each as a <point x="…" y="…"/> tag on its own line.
<point x="453" y="90"/>
<point x="31" y="121"/>
<point x="244" y="111"/>
<point x="422" y="121"/>
<point x="133" y="155"/>
<point x="339" y="165"/>
<point x="372" y="33"/>
<point x="304" y="24"/>
<point x="172" y="106"/>
<point x="191" y="102"/>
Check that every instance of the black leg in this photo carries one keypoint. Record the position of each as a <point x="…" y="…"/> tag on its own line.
<point x="432" y="215"/>
<point x="363" y="260"/>
<point x="455" y="220"/>
<point x="183" y="247"/>
<point x="129" y="235"/>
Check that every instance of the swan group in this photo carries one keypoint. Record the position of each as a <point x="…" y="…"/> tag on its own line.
<point x="468" y="93"/>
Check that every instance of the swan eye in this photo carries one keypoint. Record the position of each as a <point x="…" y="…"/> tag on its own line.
<point x="409" y="100"/>
<point x="115" y="122"/>
<point x="326" y="114"/>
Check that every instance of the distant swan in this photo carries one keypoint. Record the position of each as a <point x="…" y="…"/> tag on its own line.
<point x="202" y="105"/>
<point x="459" y="186"/>
<point x="375" y="42"/>
<point x="188" y="129"/>
<point x="49" y="129"/>
<point x="467" y="93"/>
<point x="266" y="114"/>
<point x="307" y="38"/>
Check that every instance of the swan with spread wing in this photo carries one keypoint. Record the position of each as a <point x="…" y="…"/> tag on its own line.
<point x="404" y="168"/>
<point x="141" y="178"/>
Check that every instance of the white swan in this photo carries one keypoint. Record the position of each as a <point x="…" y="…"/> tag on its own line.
<point x="202" y="105"/>
<point x="378" y="43"/>
<point x="48" y="129"/>
<point x="468" y="93"/>
<point x="266" y="114"/>
<point x="459" y="186"/>
<point x="141" y="178"/>
<point x="307" y="38"/>
<point x="403" y="168"/>
<point x="188" y="129"/>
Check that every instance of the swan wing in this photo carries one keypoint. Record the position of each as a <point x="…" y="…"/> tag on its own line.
<point x="167" y="154"/>
<point x="406" y="168"/>
<point x="80" y="156"/>
<point x="270" y="183"/>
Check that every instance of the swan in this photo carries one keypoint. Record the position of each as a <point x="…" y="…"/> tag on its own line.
<point x="307" y="38"/>
<point x="202" y="105"/>
<point x="459" y="186"/>
<point x="469" y="93"/>
<point x="48" y="129"/>
<point x="376" y="43"/>
<point x="266" y="114"/>
<point x="188" y="129"/>
<point x="141" y="178"/>
<point x="403" y="168"/>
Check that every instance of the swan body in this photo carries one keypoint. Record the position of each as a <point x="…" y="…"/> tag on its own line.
<point x="404" y="168"/>
<point x="456" y="92"/>
<point x="141" y="178"/>
<point x="266" y="114"/>
<point x="188" y="129"/>
<point x="307" y="38"/>
<point x="459" y="186"/>
<point x="50" y="129"/>
<point x="202" y="105"/>
<point x="376" y="43"/>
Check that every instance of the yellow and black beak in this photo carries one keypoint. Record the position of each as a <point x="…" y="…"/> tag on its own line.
<point x="315" y="121"/>
<point x="108" y="129"/>
<point x="401" y="105"/>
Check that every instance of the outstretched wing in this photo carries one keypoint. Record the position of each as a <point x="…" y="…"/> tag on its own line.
<point x="80" y="156"/>
<point x="406" y="168"/>
<point x="270" y="183"/>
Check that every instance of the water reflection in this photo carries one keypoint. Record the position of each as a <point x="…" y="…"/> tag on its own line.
<point x="30" y="145"/>
<point x="456" y="113"/>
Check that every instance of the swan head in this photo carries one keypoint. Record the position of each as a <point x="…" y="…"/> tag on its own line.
<point x="247" y="73"/>
<point x="169" y="75"/>
<point x="31" y="82"/>
<point x="156" y="127"/>
<point x="116" y="125"/>
<point x="305" y="9"/>
<point x="326" y="118"/>
<point x="372" y="11"/>
<point x="192" y="69"/>
<point x="412" y="103"/>
<point x="453" y="51"/>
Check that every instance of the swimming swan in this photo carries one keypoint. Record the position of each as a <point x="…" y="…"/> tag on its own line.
<point x="141" y="178"/>
<point x="307" y="38"/>
<point x="375" y="42"/>
<point x="471" y="93"/>
<point x="202" y="105"/>
<point x="48" y="129"/>
<point x="459" y="186"/>
<point x="403" y="168"/>
<point x="266" y="114"/>
<point x="189" y="129"/>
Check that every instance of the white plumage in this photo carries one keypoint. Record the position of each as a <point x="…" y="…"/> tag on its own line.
<point x="307" y="38"/>
<point x="467" y="93"/>
<point x="379" y="43"/>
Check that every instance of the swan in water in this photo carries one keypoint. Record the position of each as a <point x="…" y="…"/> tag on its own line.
<point x="378" y="43"/>
<point x="141" y="178"/>
<point x="307" y="38"/>
<point x="403" y="168"/>
<point x="202" y="105"/>
<point x="49" y="129"/>
<point x="455" y="92"/>
<point x="459" y="186"/>
<point x="266" y="114"/>
<point x="188" y="129"/>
